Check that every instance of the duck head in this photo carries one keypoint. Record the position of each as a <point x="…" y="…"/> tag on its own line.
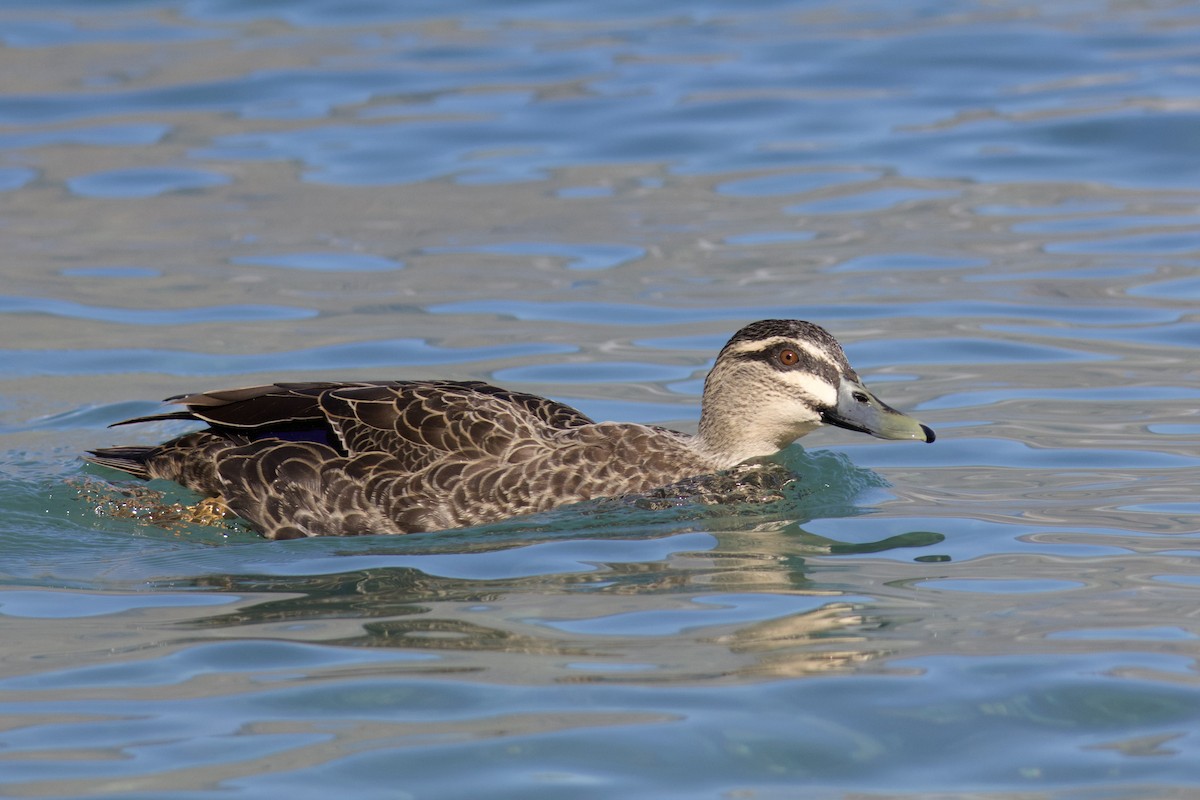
<point x="776" y="380"/>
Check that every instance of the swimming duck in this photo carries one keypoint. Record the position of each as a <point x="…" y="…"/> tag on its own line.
<point x="326" y="458"/>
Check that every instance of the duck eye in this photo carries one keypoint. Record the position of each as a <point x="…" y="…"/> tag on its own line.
<point x="860" y="397"/>
<point x="788" y="357"/>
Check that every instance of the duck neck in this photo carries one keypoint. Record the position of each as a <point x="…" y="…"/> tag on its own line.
<point x="727" y="443"/>
<point x="732" y="430"/>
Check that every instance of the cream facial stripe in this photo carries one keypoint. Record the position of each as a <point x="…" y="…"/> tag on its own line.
<point x="812" y="385"/>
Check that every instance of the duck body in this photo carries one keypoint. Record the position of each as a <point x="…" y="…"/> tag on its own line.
<point x="330" y="458"/>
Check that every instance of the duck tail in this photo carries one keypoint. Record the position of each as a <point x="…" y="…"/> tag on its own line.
<point x="133" y="460"/>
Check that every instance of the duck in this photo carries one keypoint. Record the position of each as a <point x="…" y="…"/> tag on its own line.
<point x="394" y="457"/>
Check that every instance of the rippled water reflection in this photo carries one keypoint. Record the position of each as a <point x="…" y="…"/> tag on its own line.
<point x="993" y="205"/>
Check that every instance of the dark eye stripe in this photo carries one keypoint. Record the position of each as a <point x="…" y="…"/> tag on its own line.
<point x="807" y="363"/>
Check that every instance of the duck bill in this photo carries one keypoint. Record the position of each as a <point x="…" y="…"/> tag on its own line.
<point x="859" y="410"/>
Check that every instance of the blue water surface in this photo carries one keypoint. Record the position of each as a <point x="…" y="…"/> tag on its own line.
<point x="994" y="206"/>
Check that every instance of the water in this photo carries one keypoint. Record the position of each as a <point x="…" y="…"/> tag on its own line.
<point x="993" y="205"/>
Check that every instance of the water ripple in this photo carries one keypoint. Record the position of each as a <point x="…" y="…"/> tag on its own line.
<point x="793" y="183"/>
<point x="150" y="316"/>
<point x="324" y="262"/>
<point x="283" y="94"/>
<point x="131" y="134"/>
<point x="578" y="256"/>
<point x="1147" y="243"/>
<point x="713" y="610"/>
<point x="62" y="32"/>
<point x="42" y="604"/>
<point x="111" y="272"/>
<point x="631" y="313"/>
<point x="1177" y="289"/>
<point x="355" y="355"/>
<point x="144" y="182"/>
<point x="15" y="177"/>
<point x="1010" y="586"/>
<point x="605" y="372"/>
<point x="868" y="201"/>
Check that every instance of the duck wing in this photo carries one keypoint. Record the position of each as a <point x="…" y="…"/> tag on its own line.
<point x="421" y="422"/>
<point x="417" y="422"/>
<point x="272" y="406"/>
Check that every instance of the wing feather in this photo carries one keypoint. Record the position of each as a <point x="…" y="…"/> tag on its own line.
<point x="415" y="421"/>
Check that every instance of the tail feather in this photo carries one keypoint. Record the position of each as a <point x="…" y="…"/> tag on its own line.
<point x="157" y="418"/>
<point x="126" y="459"/>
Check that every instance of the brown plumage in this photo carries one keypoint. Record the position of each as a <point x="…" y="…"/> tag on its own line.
<point x="326" y="458"/>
